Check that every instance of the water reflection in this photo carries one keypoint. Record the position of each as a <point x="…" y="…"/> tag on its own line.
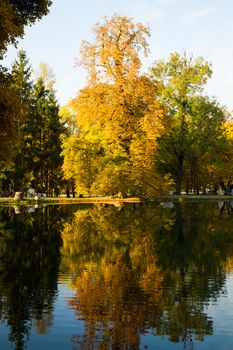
<point x="225" y="206"/>
<point x="29" y="262"/>
<point x="151" y="270"/>
<point x="135" y="271"/>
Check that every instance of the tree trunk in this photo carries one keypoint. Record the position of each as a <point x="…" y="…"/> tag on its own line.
<point x="180" y="172"/>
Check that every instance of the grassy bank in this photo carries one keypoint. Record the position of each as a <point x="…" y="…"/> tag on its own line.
<point x="63" y="200"/>
<point x="112" y="200"/>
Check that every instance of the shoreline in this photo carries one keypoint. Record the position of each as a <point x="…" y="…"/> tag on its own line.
<point x="114" y="201"/>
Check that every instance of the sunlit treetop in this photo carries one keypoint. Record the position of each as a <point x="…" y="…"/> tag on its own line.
<point x="115" y="52"/>
<point x="181" y="76"/>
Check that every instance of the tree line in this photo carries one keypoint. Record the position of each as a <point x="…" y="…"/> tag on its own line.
<point x="144" y="133"/>
<point x="125" y="132"/>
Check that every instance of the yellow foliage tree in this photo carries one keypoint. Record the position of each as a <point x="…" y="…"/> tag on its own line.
<point x="222" y="169"/>
<point x="118" y="115"/>
<point x="115" y="54"/>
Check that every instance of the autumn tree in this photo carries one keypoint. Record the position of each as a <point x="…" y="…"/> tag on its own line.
<point x="227" y="156"/>
<point x="118" y="115"/>
<point x="194" y="121"/>
<point x="221" y="169"/>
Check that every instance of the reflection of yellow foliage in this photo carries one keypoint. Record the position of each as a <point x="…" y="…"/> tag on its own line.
<point x="152" y="279"/>
<point x="229" y="264"/>
<point x="103" y="299"/>
<point x="111" y="286"/>
<point x="42" y="325"/>
<point x="138" y="267"/>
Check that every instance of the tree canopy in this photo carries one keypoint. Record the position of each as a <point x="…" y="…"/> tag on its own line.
<point x="118" y="115"/>
<point x="126" y="131"/>
<point x="115" y="53"/>
<point x="194" y="121"/>
<point x="15" y="15"/>
<point x="37" y="156"/>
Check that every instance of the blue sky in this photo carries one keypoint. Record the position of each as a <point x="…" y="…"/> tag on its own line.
<point x="201" y="27"/>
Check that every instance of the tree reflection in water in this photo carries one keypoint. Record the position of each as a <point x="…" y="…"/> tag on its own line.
<point x="146" y="270"/>
<point x="136" y="270"/>
<point x="29" y="262"/>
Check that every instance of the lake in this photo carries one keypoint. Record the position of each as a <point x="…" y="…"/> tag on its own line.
<point x="155" y="276"/>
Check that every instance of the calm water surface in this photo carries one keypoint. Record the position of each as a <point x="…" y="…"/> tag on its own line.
<point x="105" y="277"/>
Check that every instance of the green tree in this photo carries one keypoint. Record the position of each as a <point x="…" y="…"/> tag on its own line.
<point x="221" y="169"/>
<point x="10" y="118"/>
<point x="14" y="16"/>
<point x="194" y="121"/>
<point x="42" y="141"/>
<point x="207" y="142"/>
<point x="22" y="82"/>
<point x="37" y="161"/>
<point x="22" y="77"/>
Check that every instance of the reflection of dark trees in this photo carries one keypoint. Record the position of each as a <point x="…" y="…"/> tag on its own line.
<point x="192" y="256"/>
<point x="149" y="270"/>
<point x="194" y="252"/>
<point x="29" y="261"/>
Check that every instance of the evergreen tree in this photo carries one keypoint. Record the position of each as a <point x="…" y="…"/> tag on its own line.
<point x="14" y="16"/>
<point x="43" y="140"/>
<point x="37" y="160"/>
<point x="22" y="77"/>
<point x="22" y="85"/>
<point x="10" y="117"/>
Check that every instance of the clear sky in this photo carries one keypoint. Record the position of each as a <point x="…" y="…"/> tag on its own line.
<point x="201" y="27"/>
